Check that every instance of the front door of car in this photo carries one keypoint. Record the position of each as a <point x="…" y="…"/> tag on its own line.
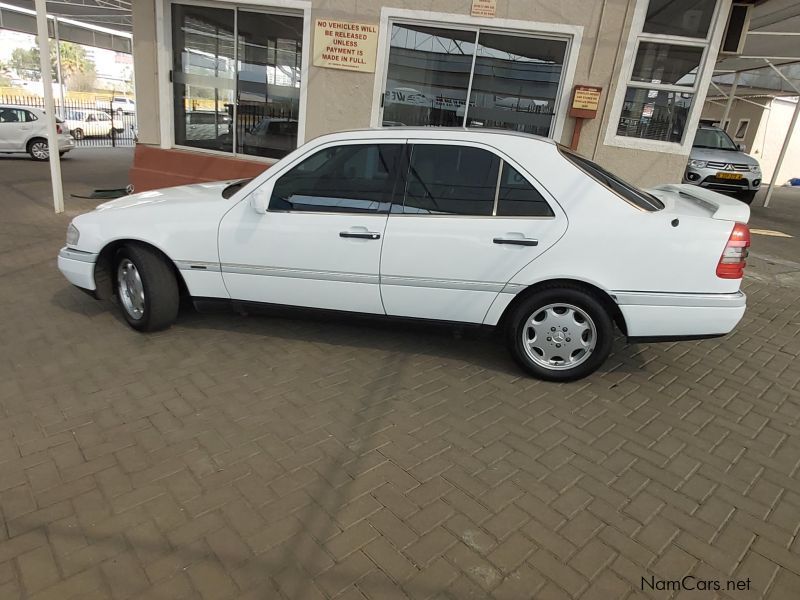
<point x="319" y="242"/>
<point x="469" y="221"/>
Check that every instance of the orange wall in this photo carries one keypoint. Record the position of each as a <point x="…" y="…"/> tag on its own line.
<point x="156" y="168"/>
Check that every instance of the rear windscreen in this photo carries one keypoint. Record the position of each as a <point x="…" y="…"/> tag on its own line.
<point x="627" y="191"/>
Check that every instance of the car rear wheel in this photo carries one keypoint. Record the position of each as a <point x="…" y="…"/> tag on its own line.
<point x="77" y="134"/>
<point x="38" y="149"/>
<point x="146" y="288"/>
<point x="560" y="333"/>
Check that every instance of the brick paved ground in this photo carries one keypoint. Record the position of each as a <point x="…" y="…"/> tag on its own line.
<point x="235" y="457"/>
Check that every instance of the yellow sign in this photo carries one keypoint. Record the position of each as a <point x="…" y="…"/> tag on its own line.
<point x="586" y="98"/>
<point x="483" y="8"/>
<point x="350" y="46"/>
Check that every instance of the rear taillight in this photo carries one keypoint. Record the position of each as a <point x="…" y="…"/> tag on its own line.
<point x="58" y="128"/>
<point x="732" y="262"/>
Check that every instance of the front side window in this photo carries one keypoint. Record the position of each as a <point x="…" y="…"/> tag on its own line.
<point x="233" y="68"/>
<point x="451" y="180"/>
<point x="671" y="51"/>
<point x="473" y="78"/>
<point x="622" y="188"/>
<point x="359" y="178"/>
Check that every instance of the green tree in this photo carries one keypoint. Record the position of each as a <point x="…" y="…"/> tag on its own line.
<point x="74" y="62"/>
<point x="25" y="62"/>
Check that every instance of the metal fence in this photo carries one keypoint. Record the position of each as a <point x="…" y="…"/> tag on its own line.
<point x="90" y="123"/>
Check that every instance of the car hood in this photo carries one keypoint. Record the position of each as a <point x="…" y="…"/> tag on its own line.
<point x="196" y="193"/>
<point x="727" y="156"/>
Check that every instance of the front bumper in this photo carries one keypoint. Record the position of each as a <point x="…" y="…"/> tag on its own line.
<point x="673" y="316"/>
<point x="708" y="178"/>
<point x="78" y="267"/>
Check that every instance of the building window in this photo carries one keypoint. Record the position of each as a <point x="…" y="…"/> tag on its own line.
<point x="741" y="129"/>
<point x="236" y="79"/>
<point x="472" y="77"/>
<point x="670" y="54"/>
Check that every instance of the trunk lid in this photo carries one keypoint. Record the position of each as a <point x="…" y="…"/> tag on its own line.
<point x="692" y="200"/>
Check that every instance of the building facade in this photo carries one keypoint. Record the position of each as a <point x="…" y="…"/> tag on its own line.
<point x="225" y="88"/>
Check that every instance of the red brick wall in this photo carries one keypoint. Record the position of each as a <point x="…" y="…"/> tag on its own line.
<point x="156" y="168"/>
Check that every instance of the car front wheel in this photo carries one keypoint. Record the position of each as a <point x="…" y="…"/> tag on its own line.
<point x="560" y="333"/>
<point x="146" y="288"/>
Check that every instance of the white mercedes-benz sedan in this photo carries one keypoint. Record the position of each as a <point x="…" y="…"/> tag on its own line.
<point x="470" y="226"/>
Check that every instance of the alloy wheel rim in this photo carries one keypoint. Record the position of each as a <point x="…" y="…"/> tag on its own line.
<point x="559" y="336"/>
<point x="131" y="289"/>
<point x="40" y="150"/>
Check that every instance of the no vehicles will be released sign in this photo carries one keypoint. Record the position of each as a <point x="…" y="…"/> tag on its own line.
<point x="349" y="46"/>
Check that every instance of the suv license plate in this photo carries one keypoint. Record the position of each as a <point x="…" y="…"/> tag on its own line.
<point x="729" y="176"/>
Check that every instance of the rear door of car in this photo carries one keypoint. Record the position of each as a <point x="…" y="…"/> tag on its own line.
<point x="471" y="218"/>
<point x="15" y="128"/>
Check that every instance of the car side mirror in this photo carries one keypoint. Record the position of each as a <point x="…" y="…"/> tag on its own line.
<point x="259" y="199"/>
<point x="741" y="147"/>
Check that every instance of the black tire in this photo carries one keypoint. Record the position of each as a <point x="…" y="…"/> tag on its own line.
<point x="161" y="293"/>
<point x="35" y="149"/>
<point x="77" y="134"/>
<point x="746" y="197"/>
<point x="566" y="294"/>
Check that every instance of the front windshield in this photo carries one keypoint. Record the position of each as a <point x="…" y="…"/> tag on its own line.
<point x="716" y="139"/>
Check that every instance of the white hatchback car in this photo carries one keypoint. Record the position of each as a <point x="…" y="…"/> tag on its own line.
<point x="23" y="129"/>
<point x="471" y="226"/>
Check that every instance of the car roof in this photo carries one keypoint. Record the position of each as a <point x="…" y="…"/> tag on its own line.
<point x="30" y="108"/>
<point x="465" y="133"/>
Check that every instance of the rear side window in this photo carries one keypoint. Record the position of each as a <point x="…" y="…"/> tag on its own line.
<point x="15" y="115"/>
<point x="451" y="180"/>
<point x="627" y="191"/>
<point x="356" y="178"/>
<point x="518" y="198"/>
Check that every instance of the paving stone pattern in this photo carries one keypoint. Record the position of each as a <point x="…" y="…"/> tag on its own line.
<point x="265" y="457"/>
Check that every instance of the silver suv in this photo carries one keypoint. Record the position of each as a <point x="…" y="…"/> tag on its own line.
<point x="717" y="163"/>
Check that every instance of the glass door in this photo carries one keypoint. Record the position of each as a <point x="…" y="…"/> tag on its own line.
<point x="203" y="75"/>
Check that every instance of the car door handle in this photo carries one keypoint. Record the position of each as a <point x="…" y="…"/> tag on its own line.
<point x="516" y="241"/>
<point x="364" y="235"/>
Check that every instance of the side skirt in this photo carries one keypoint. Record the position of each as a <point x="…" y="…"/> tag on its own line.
<point x="242" y="307"/>
<point x="674" y="338"/>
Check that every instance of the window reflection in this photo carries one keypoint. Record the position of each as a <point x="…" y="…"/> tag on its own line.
<point x="203" y="74"/>
<point x="515" y="81"/>
<point x="268" y="91"/>
<point x="428" y="76"/>
<point x="654" y="114"/>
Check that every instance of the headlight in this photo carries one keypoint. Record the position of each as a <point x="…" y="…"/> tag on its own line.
<point x="697" y="164"/>
<point x="755" y="168"/>
<point x="73" y="235"/>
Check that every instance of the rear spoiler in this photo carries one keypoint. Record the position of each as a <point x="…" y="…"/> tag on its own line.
<point x="724" y="208"/>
